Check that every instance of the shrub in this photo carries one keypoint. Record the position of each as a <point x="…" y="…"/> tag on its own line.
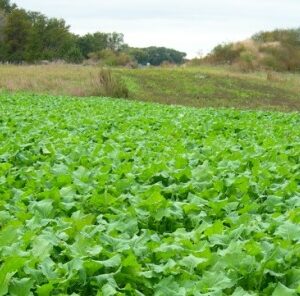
<point x="108" y="57"/>
<point x="271" y="62"/>
<point x="278" y="50"/>
<point x="246" y="61"/>
<point x="104" y="83"/>
<point x="226" y="53"/>
<point x="74" y="56"/>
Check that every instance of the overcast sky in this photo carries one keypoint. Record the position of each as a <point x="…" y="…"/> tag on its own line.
<point x="191" y="26"/>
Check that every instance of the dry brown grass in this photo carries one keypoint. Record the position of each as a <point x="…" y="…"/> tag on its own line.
<point x="53" y="79"/>
<point x="60" y="79"/>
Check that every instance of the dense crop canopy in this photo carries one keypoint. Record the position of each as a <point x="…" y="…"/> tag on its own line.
<point x="110" y="197"/>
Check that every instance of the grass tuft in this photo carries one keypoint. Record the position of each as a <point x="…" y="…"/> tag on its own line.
<point x="104" y="83"/>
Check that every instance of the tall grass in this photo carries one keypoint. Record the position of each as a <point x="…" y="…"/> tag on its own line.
<point x="104" y="83"/>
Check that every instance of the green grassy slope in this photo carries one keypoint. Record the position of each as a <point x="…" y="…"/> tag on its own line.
<point x="111" y="197"/>
<point x="214" y="87"/>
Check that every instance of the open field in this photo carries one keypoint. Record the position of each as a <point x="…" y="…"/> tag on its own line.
<point x="112" y="197"/>
<point x="199" y="87"/>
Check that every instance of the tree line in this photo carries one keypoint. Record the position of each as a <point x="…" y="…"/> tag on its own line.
<point x="27" y="36"/>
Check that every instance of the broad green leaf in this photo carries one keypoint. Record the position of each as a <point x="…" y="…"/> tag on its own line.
<point x="21" y="287"/>
<point x="7" y="270"/>
<point x="191" y="262"/>
<point x="109" y="290"/>
<point x="289" y="231"/>
<point x="283" y="290"/>
<point x="45" y="290"/>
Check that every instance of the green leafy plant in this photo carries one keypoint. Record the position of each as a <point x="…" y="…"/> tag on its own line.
<point x="113" y="197"/>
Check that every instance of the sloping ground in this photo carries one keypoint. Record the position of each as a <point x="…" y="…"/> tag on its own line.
<point x="111" y="197"/>
<point x="215" y="87"/>
<point x="199" y="87"/>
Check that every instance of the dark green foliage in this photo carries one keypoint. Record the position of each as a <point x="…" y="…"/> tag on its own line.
<point x="99" y="41"/>
<point x="31" y="36"/>
<point x="57" y="39"/>
<point x="27" y="36"/>
<point x="36" y="45"/>
<point x="6" y="6"/>
<point x="115" y="41"/>
<point x="92" y="43"/>
<point x="16" y="35"/>
<point x="139" y="54"/>
<point x="49" y="39"/>
<point x="157" y="55"/>
<point x="74" y="55"/>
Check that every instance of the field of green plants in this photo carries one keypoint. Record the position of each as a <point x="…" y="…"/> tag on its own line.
<point x="110" y="197"/>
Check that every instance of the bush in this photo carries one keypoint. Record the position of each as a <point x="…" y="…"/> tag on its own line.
<point x="278" y="50"/>
<point x="74" y="56"/>
<point x="246" y="61"/>
<point x="108" y="57"/>
<point x="104" y="83"/>
<point x="226" y="53"/>
<point x="272" y="62"/>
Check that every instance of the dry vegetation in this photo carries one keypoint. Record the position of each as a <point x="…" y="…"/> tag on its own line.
<point x="199" y="86"/>
<point x="62" y="80"/>
<point x="54" y="79"/>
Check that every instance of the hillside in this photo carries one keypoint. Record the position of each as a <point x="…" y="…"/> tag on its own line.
<point x="277" y="50"/>
<point x="198" y="87"/>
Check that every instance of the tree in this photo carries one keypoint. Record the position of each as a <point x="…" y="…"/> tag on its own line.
<point x="31" y="36"/>
<point x="57" y="40"/>
<point x="2" y="36"/>
<point x="115" y="41"/>
<point x="97" y="42"/>
<point x="74" y="55"/>
<point x="6" y="6"/>
<point x="2" y="24"/>
<point x="139" y="54"/>
<point x="226" y="53"/>
<point x="92" y="43"/>
<point x="157" y="55"/>
<point x="35" y="46"/>
<point x="16" y="33"/>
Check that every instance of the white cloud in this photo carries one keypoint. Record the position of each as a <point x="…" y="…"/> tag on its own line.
<point x="190" y="25"/>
